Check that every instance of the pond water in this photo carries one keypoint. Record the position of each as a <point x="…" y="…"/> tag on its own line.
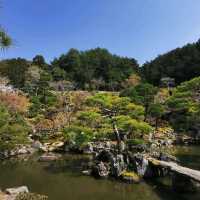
<point x="61" y="180"/>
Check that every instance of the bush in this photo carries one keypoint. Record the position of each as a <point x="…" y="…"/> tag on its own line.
<point x="185" y="106"/>
<point x="13" y="129"/>
<point x="78" y="135"/>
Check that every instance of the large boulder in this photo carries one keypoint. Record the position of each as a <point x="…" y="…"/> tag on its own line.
<point x="50" y="147"/>
<point x="118" y="165"/>
<point x="37" y="144"/>
<point x="56" y="146"/>
<point x="100" y="170"/>
<point x="23" y="150"/>
<point x="17" y="190"/>
<point x="105" y="156"/>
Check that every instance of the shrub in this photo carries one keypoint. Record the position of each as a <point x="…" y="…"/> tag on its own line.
<point x="13" y="129"/>
<point x="78" y="135"/>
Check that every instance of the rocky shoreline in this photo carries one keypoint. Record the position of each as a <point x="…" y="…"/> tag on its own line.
<point x="20" y="193"/>
<point x="130" y="164"/>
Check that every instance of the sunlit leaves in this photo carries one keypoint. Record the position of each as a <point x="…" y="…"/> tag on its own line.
<point x="5" y="40"/>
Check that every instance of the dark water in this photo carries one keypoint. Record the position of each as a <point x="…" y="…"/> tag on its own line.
<point x="189" y="156"/>
<point x="62" y="180"/>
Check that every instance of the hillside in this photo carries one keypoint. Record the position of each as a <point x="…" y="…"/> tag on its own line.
<point x="182" y="64"/>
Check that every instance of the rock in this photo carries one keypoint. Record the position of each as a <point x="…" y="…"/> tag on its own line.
<point x="23" y="150"/>
<point x="108" y="145"/>
<point x="4" y="154"/>
<point x="55" y="146"/>
<point x="99" y="146"/>
<point x="20" y="193"/>
<point x="17" y="190"/>
<point x="12" y="153"/>
<point x="142" y="165"/>
<point x="87" y="172"/>
<point x="44" y="149"/>
<point x="49" y="157"/>
<point x="37" y="144"/>
<point x="48" y="147"/>
<point x="118" y="165"/>
<point x="88" y="149"/>
<point x="130" y="177"/>
<point x="122" y="146"/>
<point x="31" y="150"/>
<point x="100" y="170"/>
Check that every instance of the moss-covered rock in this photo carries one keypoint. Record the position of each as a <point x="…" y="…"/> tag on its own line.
<point x="130" y="177"/>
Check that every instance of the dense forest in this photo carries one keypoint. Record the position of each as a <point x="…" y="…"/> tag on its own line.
<point x="96" y="69"/>
<point x="182" y="64"/>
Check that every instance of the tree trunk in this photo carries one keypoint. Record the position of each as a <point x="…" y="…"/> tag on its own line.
<point x="117" y="135"/>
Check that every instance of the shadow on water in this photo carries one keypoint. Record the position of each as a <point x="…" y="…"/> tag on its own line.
<point x="192" y="161"/>
<point x="163" y="188"/>
<point x="189" y="156"/>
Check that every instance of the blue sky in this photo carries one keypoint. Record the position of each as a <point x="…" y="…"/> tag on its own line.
<point x="135" y="28"/>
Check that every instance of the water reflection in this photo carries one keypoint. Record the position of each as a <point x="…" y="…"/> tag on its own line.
<point x="62" y="180"/>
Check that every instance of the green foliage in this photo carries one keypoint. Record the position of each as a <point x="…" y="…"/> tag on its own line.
<point x="4" y="115"/>
<point x="186" y="96"/>
<point x="135" y="142"/>
<point x="90" y="118"/>
<point x="15" y="70"/>
<point x="45" y="95"/>
<point x="32" y="79"/>
<point x="5" y="39"/>
<point x="156" y="110"/>
<point x="13" y="129"/>
<point x="128" y="116"/>
<point x="119" y="105"/>
<point x="35" y="107"/>
<point x="95" y="117"/>
<point x="143" y="94"/>
<point x="41" y="95"/>
<point x="132" y="127"/>
<point x="185" y="106"/>
<point x="39" y="61"/>
<point x="96" y="68"/>
<point x="182" y="64"/>
<point x="58" y="74"/>
<point x="78" y="135"/>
